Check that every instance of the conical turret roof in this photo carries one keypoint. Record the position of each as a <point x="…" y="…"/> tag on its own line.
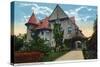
<point x="33" y="20"/>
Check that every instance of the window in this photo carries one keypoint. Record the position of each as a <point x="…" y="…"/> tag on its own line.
<point x="33" y="34"/>
<point x="42" y="32"/>
<point x="30" y="27"/>
<point x="69" y="30"/>
<point x="58" y="21"/>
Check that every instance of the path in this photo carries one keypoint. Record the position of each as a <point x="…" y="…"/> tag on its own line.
<point x="72" y="55"/>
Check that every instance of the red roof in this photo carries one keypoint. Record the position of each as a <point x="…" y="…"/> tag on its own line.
<point x="43" y="23"/>
<point x="38" y="24"/>
<point x="33" y="20"/>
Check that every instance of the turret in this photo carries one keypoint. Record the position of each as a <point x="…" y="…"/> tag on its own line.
<point x="31" y="24"/>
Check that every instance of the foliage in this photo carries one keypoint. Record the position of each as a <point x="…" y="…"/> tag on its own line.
<point x="37" y="44"/>
<point x="19" y="41"/>
<point x="51" y="56"/>
<point x="92" y="43"/>
<point x="58" y="34"/>
<point x="91" y="52"/>
<point x="68" y="43"/>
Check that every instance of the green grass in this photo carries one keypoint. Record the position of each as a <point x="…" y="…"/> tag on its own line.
<point x="51" y="56"/>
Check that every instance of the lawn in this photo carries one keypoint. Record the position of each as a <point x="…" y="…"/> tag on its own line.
<point x="51" y="56"/>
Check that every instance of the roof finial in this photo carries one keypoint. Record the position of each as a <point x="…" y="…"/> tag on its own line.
<point x="57" y="5"/>
<point x="33" y="13"/>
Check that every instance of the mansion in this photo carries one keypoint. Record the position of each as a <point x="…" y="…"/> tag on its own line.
<point x="45" y="28"/>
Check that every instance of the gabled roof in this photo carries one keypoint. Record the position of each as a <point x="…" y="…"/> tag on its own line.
<point x="72" y="19"/>
<point x="80" y="34"/>
<point x="58" y="13"/>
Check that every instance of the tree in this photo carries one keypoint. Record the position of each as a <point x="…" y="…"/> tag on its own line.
<point x="18" y="42"/>
<point x="36" y="44"/>
<point x="93" y="39"/>
<point x="92" y="43"/>
<point x="39" y="44"/>
<point x="58" y="34"/>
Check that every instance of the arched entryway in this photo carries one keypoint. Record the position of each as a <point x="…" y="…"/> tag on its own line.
<point x="78" y="45"/>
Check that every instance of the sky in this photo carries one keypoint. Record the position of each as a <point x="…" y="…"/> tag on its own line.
<point x="84" y="15"/>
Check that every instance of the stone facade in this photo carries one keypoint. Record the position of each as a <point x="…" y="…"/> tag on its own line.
<point x="45" y="27"/>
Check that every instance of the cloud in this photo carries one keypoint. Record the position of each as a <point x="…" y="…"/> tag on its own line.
<point x="78" y="9"/>
<point x="26" y="18"/>
<point x="86" y="18"/>
<point x="42" y="10"/>
<point x="89" y="9"/>
<point x="38" y="9"/>
<point x="23" y="4"/>
<point x="73" y="13"/>
<point x="78" y="17"/>
<point x="83" y="7"/>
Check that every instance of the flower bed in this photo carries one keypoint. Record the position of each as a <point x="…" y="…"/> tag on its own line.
<point x="23" y="57"/>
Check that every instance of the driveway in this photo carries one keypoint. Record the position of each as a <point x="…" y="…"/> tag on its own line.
<point x="72" y="55"/>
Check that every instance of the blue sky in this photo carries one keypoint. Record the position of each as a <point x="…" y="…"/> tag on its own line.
<point x="84" y="15"/>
